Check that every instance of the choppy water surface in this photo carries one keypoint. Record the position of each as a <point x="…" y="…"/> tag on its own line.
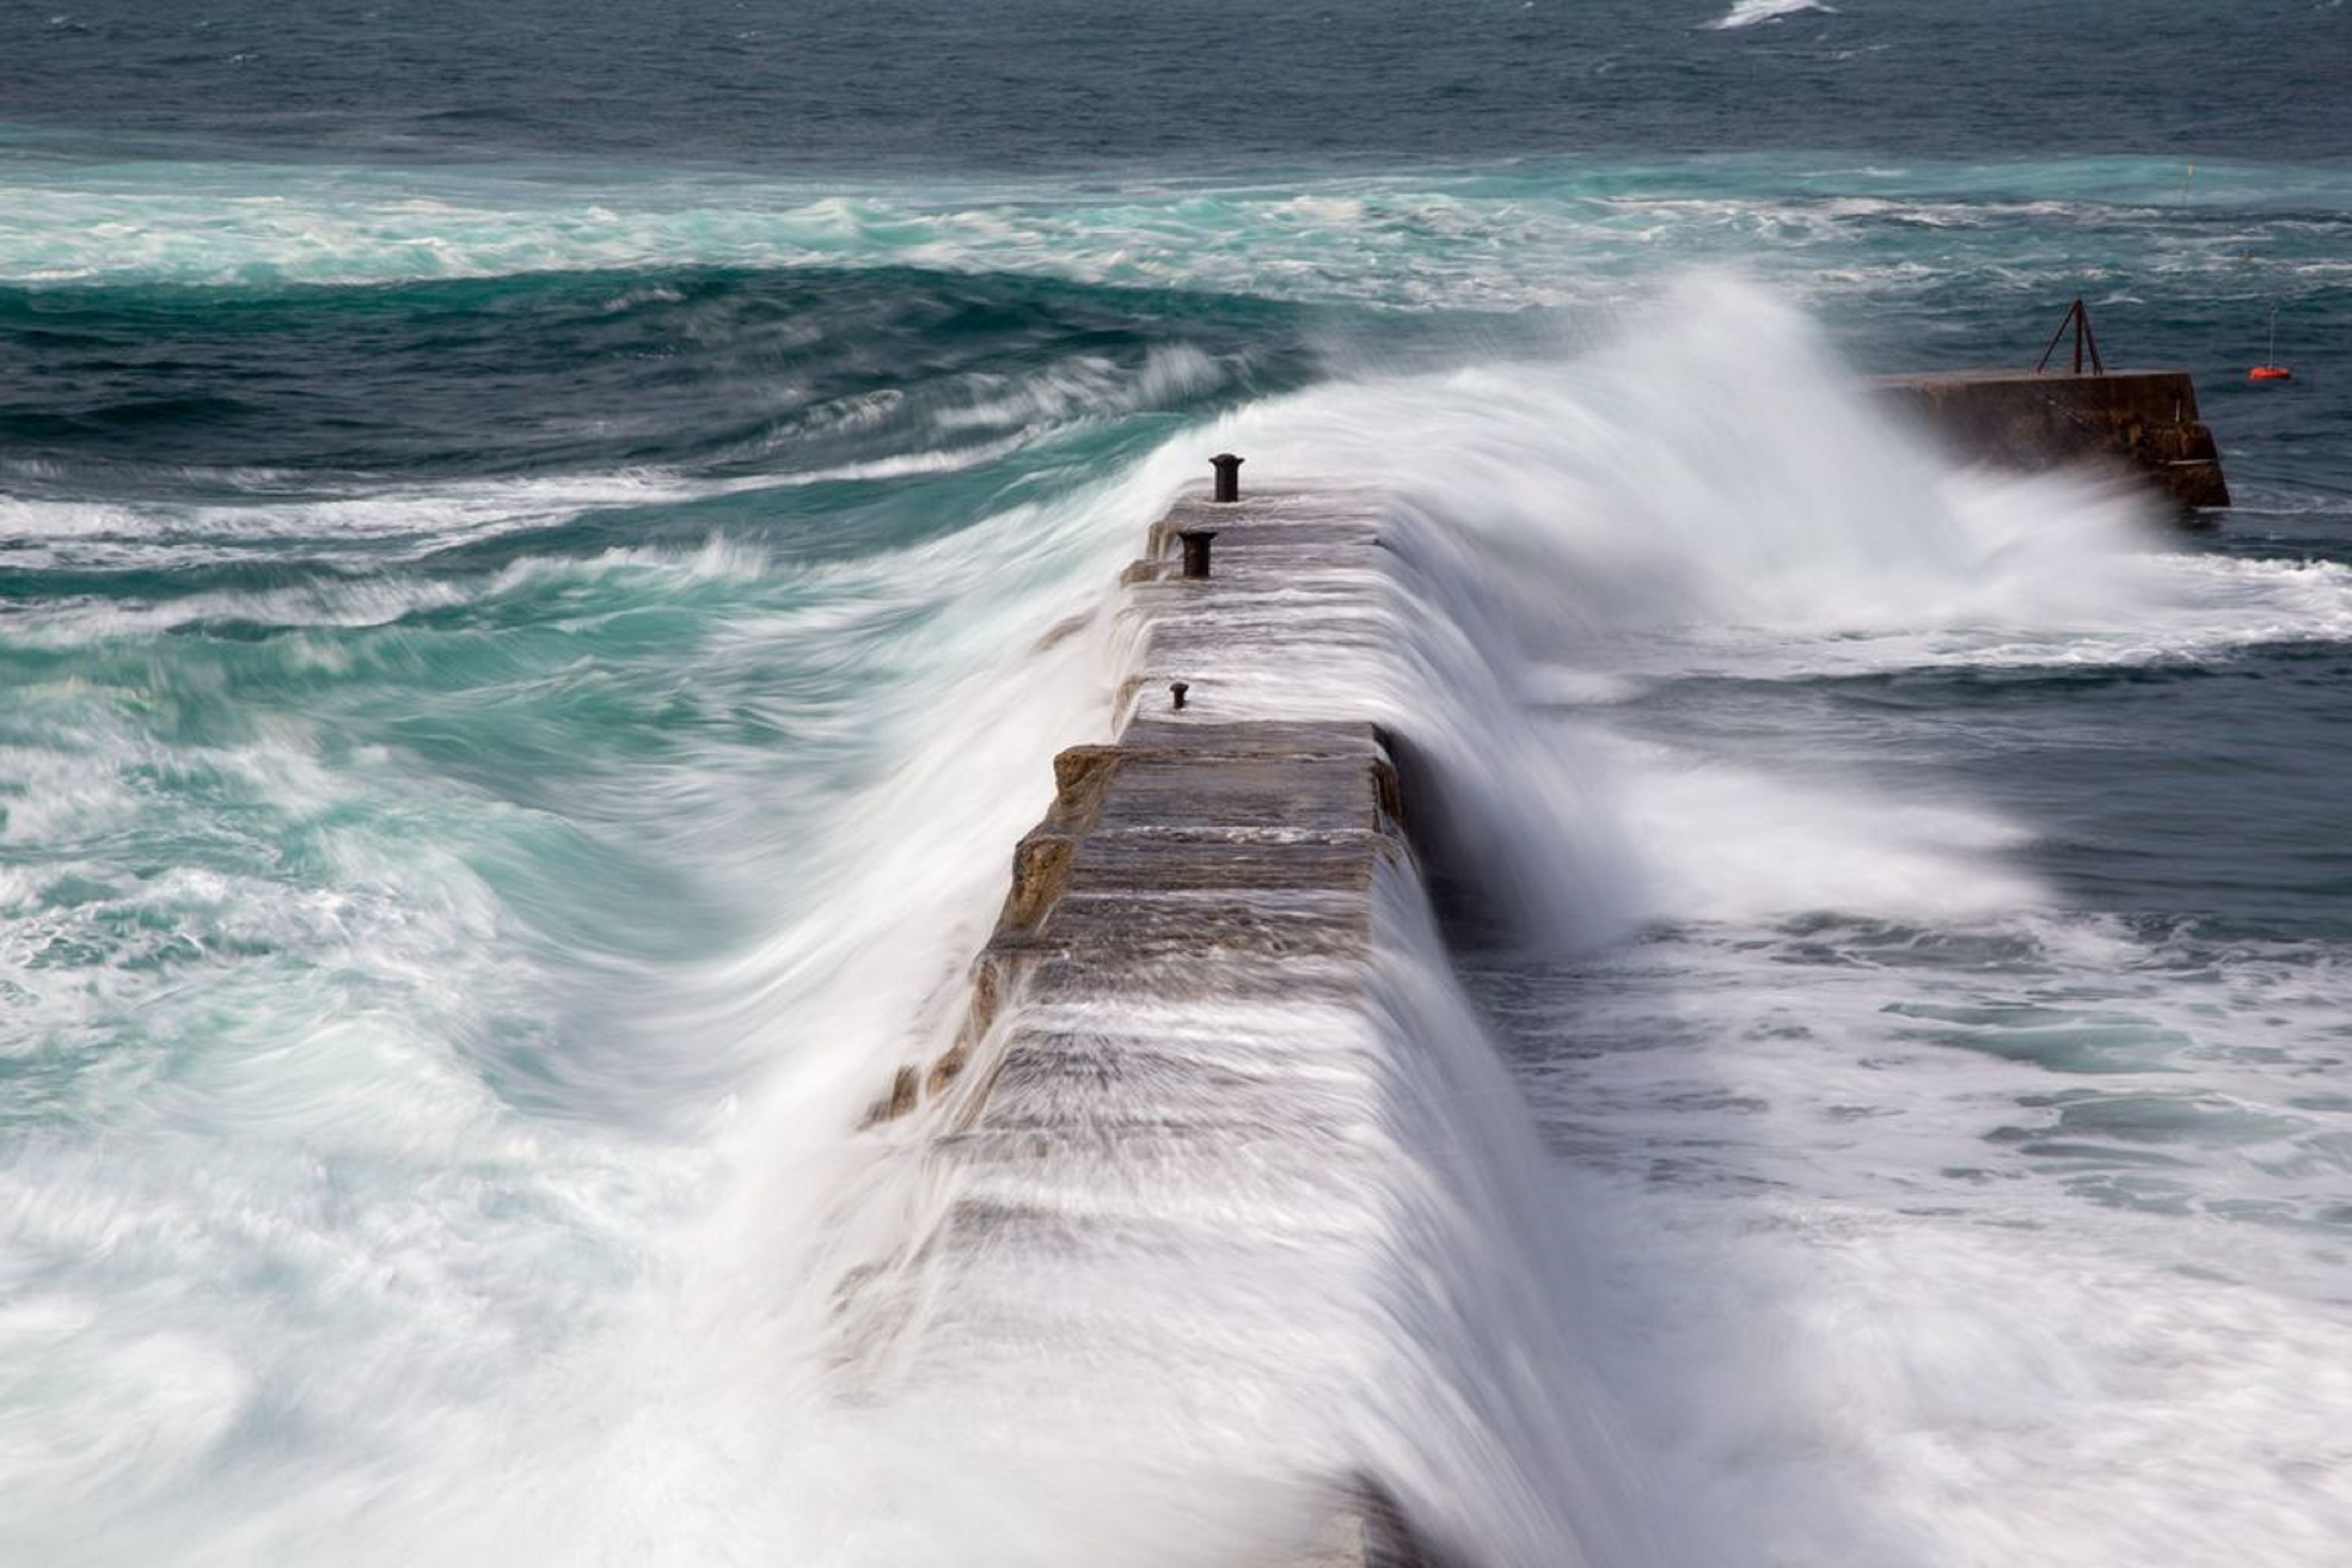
<point x="531" y="620"/>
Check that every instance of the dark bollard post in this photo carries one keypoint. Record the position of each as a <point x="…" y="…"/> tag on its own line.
<point x="1196" y="550"/>
<point x="1176" y="689"/>
<point x="1229" y="476"/>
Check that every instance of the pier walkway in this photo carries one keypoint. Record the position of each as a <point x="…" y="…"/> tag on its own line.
<point x="1169" y="1051"/>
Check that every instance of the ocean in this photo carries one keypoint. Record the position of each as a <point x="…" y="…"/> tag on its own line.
<point x="546" y="551"/>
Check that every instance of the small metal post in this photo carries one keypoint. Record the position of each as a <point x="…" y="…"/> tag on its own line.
<point x="1196" y="550"/>
<point x="1176" y="689"/>
<point x="1229" y="476"/>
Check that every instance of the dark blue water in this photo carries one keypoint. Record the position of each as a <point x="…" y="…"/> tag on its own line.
<point x="830" y="87"/>
<point x="544" y="553"/>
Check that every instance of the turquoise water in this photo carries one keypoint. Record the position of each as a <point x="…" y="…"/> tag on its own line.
<point x="542" y="569"/>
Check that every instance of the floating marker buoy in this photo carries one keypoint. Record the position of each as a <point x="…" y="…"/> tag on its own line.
<point x="2269" y="369"/>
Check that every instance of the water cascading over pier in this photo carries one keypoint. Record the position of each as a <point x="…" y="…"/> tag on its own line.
<point x="1218" y="1140"/>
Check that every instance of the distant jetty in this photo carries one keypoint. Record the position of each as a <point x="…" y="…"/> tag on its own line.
<point x="2141" y="422"/>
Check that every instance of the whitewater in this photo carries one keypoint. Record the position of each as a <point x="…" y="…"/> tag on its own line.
<point x="523" y="680"/>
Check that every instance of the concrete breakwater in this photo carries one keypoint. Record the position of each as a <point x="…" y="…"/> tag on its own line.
<point x="1237" y="852"/>
<point x="2141" y="421"/>
<point x="1171" y="1046"/>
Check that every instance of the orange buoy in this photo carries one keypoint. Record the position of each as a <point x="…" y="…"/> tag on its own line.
<point x="2269" y="369"/>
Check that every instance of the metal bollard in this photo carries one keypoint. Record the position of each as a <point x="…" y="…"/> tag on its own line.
<point x="1229" y="476"/>
<point x="1196" y="550"/>
<point x="1176" y="689"/>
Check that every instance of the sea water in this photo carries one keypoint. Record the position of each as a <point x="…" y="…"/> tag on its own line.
<point x="544" y="555"/>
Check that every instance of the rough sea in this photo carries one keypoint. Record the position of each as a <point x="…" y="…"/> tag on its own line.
<point x="546" y="550"/>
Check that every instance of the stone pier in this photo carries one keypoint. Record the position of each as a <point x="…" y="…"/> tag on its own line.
<point x="2142" y="422"/>
<point x="1164" y="1013"/>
